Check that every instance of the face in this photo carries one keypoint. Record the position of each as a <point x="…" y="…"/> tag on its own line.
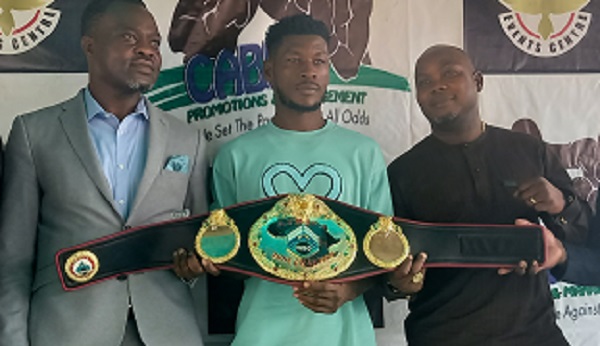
<point x="298" y="72"/>
<point x="447" y="86"/>
<point x="123" y="49"/>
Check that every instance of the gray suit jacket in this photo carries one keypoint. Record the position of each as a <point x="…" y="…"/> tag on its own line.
<point x="56" y="196"/>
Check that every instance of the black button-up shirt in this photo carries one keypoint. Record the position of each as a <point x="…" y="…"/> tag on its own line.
<point x="474" y="183"/>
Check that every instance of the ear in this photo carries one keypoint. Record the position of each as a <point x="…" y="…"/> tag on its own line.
<point x="87" y="45"/>
<point x="268" y="70"/>
<point x="478" y="78"/>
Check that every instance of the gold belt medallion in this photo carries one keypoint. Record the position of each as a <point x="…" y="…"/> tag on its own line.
<point x="82" y="266"/>
<point x="218" y="238"/>
<point x="301" y="238"/>
<point x="385" y="245"/>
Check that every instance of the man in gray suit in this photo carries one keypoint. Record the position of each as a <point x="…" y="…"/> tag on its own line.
<point x="101" y="162"/>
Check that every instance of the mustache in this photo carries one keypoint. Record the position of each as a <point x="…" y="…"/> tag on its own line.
<point x="311" y="84"/>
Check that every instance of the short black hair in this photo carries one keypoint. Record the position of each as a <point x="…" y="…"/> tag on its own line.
<point x="97" y="8"/>
<point x="299" y="24"/>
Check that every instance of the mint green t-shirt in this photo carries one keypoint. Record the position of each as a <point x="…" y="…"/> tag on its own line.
<point x="333" y="162"/>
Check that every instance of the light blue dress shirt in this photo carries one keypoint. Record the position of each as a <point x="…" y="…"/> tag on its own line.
<point x="122" y="148"/>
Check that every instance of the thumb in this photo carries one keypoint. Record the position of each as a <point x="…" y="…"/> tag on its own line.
<point x="524" y="222"/>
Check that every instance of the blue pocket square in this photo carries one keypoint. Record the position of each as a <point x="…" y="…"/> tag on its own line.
<point x="178" y="163"/>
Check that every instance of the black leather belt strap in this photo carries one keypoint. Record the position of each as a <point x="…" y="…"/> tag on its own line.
<point x="151" y="247"/>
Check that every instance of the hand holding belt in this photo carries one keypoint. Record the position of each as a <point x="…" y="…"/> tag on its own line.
<point x="295" y="238"/>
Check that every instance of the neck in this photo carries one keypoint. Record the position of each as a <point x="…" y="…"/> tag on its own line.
<point x="298" y="121"/>
<point x="115" y="101"/>
<point x="466" y="134"/>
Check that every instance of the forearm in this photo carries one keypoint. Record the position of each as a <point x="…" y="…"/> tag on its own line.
<point x="572" y="223"/>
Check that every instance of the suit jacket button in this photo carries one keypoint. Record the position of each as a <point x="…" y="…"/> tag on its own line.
<point x="126" y="227"/>
<point x="122" y="277"/>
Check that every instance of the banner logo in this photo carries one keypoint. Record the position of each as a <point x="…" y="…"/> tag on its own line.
<point x="545" y="28"/>
<point x="24" y="24"/>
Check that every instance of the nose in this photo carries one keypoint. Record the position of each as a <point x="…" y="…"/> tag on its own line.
<point x="440" y="86"/>
<point x="147" y="49"/>
<point x="308" y="70"/>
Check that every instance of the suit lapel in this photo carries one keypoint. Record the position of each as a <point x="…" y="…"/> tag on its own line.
<point x="74" y="123"/>
<point x="157" y="143"/>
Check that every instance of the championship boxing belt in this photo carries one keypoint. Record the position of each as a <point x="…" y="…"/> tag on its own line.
<point x="297" y="237"/>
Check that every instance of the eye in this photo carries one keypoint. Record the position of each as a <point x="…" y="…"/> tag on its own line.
<point x="320" y="61"/>
<point x="129" y="37"/>
<point x="293" y="59"/>
<point x="155" y="43"/>
<point x="451" y="73"/>
<point x="423" y="82"/>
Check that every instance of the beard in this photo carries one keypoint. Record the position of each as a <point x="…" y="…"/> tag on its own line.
<point x="137" y="86"/>
<point x="453" y="122"/>
<point x="286" y="101"/>
<point x="446" y="120"/>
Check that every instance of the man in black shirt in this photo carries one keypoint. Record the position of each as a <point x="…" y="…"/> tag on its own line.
<point x="470" y="172"/>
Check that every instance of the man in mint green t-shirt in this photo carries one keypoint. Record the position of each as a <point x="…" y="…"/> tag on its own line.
<point x="301" y="152"/>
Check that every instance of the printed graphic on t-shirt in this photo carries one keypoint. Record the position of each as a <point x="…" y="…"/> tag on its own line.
<point x="276" y="175"/>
